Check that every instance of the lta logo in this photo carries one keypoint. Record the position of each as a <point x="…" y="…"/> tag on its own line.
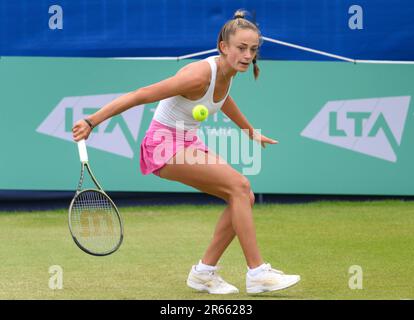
<point x="370" y="126"/>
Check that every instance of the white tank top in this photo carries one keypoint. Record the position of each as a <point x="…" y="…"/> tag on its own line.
<point x="176" y="109"/>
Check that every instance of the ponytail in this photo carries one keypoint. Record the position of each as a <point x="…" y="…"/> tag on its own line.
<point x="256" y="70"/>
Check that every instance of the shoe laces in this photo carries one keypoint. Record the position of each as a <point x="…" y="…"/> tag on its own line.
<point x="216" y="276"/>
<point x="269" y="268"/>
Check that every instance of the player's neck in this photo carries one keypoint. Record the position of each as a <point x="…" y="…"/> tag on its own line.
<point x="225" y="71"/>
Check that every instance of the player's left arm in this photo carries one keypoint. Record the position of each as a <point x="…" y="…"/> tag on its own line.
<point x="231" y="110"/>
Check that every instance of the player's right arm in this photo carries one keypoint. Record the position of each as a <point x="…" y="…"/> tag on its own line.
<point x="189" y="80"/>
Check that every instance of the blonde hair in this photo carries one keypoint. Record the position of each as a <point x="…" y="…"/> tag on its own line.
<point x="230" y="27"/>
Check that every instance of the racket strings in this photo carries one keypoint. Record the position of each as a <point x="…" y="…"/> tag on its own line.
<point x="95" y="222"/>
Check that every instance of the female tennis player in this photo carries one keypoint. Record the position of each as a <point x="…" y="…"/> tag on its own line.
<point x="205" y="82"/>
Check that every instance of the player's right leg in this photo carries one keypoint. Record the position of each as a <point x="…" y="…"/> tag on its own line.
<point x="204" y="173"/>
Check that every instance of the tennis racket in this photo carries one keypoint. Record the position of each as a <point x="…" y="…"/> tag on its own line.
<point x="94" y="221"/>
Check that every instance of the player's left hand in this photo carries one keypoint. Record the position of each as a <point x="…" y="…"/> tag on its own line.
<point x="263" y="140"/>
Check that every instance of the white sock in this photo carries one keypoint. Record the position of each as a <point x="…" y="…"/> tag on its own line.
<point x="255" y="271"/>
<point x="204" y="267"/>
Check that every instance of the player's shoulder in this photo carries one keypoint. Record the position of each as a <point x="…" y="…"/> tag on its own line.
<point x="198" y="70"/>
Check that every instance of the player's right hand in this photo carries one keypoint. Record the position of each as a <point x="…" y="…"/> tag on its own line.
<point x="81" y="130"/>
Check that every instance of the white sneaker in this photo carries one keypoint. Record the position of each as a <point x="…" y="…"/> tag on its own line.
<point x="209" y="281"/>
<point x="269" y="280"/>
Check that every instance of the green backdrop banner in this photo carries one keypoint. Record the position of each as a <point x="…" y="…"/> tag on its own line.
<point x="343" y="128"/>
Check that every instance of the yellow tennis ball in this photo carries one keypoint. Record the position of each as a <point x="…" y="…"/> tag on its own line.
<point x="200" y="112"/>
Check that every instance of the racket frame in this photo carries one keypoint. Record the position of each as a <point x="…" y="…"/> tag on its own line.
<point x="84" y="163"/>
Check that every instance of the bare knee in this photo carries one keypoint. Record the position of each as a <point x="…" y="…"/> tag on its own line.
<point x="240" y="188"/>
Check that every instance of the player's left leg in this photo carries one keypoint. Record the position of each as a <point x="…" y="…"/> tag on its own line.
<point x="222" y="237"/>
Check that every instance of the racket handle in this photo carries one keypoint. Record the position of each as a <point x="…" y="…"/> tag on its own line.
<point x="83" y="153"/>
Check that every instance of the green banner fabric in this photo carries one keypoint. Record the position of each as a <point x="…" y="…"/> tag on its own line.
<point x="342" y="128"/>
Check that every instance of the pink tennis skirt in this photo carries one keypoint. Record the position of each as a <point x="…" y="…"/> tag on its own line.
<point x="162" y="142"/>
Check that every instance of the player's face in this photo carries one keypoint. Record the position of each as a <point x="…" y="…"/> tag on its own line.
<point x="241" y="49"/>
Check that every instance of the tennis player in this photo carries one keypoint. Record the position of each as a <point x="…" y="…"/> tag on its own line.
<point x="190" y="162"/>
